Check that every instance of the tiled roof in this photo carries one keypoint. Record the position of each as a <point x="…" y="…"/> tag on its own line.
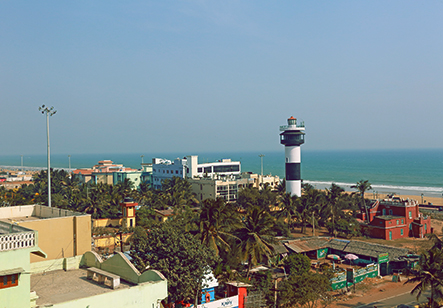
<point x="83" y="171"/>
<point x="346" y="246"/>
<point x="305" y="245"/>
<point x="367" y="249"/>
<point x="168" y="212"/>
<point x="279" y="248"/>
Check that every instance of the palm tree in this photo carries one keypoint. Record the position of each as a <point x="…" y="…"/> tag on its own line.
<point x="257" y="235"/>
<point x="332" y="208"/>
<point x="281" y="187"/>
<point x="429" y="275"/>
<point x="310" y="206"/>
<point x="362" y="186"/>
<point x="216" y="222"/>
<point x="288" y="208"/>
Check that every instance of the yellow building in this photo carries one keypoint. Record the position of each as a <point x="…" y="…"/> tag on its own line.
<point x="72" y="229"/>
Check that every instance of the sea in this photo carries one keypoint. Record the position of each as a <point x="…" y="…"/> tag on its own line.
<point x="402" y="172"/>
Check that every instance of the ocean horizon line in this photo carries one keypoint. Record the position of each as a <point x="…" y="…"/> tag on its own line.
<point x="225" y="152"/>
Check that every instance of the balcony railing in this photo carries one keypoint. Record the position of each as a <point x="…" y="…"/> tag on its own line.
<point x="15" y="237"/>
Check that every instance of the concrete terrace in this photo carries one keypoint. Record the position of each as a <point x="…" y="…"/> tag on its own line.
<point x="61" y="286"/>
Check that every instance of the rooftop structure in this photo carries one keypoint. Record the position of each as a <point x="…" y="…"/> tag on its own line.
<point x="73" y="289"/>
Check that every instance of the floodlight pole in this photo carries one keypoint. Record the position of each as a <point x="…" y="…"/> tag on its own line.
<point x="48" y="112"/>
<point x="261" y="158"/>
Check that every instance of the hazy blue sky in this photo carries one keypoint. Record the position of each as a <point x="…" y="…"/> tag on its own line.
<point x="192" y="76"/>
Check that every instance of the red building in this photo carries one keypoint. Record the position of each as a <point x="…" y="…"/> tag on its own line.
<point x="395" y="218"/>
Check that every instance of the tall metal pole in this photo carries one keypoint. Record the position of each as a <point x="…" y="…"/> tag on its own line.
<point x="142" y="157"/>
<point x="69" y="159"/>
<point x="261" y="158"/>
<point x="49" y="112"/>
<point x="22" y="161"/>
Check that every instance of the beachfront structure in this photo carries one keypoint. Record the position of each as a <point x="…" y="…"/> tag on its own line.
<point x="292" y="137"/>
<point x="228" y="187"/>
<point x="109" y="173"/>
<point x="188" y="167"/>
<point x="394" y="218"/>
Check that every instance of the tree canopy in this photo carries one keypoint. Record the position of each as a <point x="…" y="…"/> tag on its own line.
<point x="178" y="256"/>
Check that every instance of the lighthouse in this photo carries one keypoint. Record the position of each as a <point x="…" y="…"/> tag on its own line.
<point x="292" y="137"/>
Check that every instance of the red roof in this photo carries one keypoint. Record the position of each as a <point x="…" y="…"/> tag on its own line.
<point x="292" y="118"/>
<point x="82" y="171"/>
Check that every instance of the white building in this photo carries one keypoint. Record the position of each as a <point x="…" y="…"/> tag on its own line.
<point x="165" y="169"/>
<point x="188" y="167"/>
<point x="228" y="187"/>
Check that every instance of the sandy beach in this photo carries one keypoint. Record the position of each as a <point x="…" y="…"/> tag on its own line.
<point x="426" y="200"/>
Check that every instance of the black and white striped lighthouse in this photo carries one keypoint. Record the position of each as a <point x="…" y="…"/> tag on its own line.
<point x="292" y="137"/>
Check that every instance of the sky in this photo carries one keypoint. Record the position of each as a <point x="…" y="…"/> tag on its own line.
<point x="208" y="76"/>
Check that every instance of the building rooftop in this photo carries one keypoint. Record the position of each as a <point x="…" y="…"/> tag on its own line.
<point x="60" y="286"/>
<point x="305" y="245"/>
<point x="16" y="214"/>
<point x="389" y="217"/>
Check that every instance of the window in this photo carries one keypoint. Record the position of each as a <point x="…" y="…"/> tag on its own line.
<point x="425" y="227"/>
<point x="199" y="169"/>
<point x="410" y="215"/>
<point x="226" y="168"/>
<point x="402" y="221"/>
<point x="397" y="221"/>
<point x="208" y="169"/>
<point x="401" y="231"/>
<point x="390" y="212"/>
<point x="8" y="281"/>
<point x="176" y="171"/>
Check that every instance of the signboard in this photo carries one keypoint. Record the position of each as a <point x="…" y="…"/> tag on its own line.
<point x="321" y="253"/>
<point x="383" y="258"/>
<point x="228" y="302"/>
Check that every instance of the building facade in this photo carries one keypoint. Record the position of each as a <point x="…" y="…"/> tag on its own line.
<point x="109" y="173"/>
<point x="188" y="167"/>
<point x="394" y="218"/>
<point x="228" y="187"/>
<point x="17" y="243"/>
